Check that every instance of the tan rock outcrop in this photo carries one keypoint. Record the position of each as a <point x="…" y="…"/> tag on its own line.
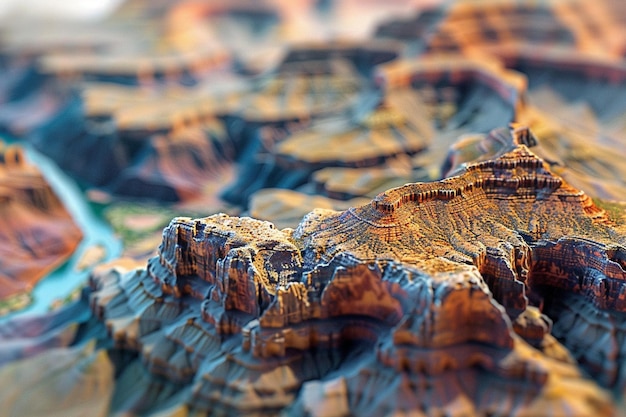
<point x="419" y="286"/>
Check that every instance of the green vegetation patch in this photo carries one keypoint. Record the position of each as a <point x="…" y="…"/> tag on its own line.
<point x="133" y="222"/>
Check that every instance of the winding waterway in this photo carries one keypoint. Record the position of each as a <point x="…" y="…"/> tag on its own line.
<point x="96" y="232"/>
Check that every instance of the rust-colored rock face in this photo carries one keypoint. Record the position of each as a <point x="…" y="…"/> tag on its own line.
<point x="37" y="234"/>
<point x="415" y="287"/>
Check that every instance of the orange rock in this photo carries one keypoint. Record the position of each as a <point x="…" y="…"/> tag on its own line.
<point x="37" y="234"/>
<point x="440" y="282"/>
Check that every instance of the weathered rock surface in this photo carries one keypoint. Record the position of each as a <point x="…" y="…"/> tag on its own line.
<point x="164" y="146"/>
<point x="579" y="114"/>
<point x="177" y="166"/>
<point x="301" y="90"/>
<point x="497" y="26"/>
<point x="498" y="290"/>
<point x="37" y="234"/>
<point x="368" y="142"/>
<point x="467" y="78"/>
<point x="574" y="100"/>
<point x="395" y="223"/>
<point x="414" y="288"/>
<point x="423" y="106"/>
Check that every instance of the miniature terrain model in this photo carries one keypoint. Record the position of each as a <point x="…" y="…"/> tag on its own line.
<point x="327" y="208"/>
<point x="396" y="277"/>
<point x="382" y="308"/>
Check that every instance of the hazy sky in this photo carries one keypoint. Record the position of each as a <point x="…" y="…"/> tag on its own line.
<point x="65" y="9"/>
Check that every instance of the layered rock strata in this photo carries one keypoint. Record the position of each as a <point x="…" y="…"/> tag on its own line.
<point x="416" y="288"/>
<point x="37" y="234"/>
<point x="421" y="107"/>
<point x="163" y="146"/>
<point x="495" y="26"/>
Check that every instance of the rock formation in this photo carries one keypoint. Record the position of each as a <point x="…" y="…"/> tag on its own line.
<point x="470" y="67"/>
<point x="366" y="143"/>
<point x="420" y="108"/>
<point x="133" y="142"/>
<point x="413" y="292"/>
<point x="36" y="231"/>
<point x="495" y="26"/>
<point x="452" y="266"/>
<point x="574" y="74"/>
